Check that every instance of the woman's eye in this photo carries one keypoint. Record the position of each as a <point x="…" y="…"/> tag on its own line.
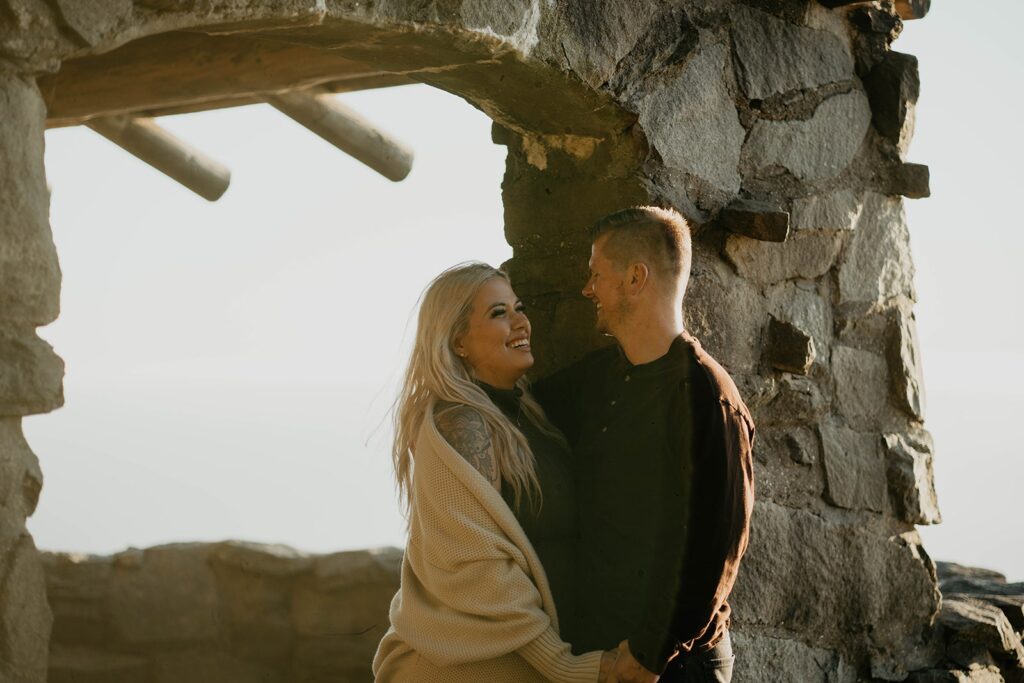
<point x="521" y="308"/>
<point x="497" y="312"/>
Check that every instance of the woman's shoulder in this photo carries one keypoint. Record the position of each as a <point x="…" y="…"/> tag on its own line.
<point x="464" y="429"/>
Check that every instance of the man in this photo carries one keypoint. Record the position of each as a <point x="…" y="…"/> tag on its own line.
<point x="662" y="443"/>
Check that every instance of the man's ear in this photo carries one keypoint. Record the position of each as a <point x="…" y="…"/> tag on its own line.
<point x="639" y="277"/>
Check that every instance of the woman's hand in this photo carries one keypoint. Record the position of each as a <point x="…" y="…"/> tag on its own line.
<point x="608" y="660"/>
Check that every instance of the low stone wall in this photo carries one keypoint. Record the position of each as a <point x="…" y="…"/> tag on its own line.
<point x="237" y="612"/>
<point x="218" y="613"/>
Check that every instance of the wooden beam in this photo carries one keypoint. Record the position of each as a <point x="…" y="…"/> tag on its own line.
<point x="344" y="128"/>
<point x="146" y="140"/>
<point x="913" y="9"/>
<point x="178" y="70"/>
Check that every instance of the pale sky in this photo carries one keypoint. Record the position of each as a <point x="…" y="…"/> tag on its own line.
<point x="230" y="365"/>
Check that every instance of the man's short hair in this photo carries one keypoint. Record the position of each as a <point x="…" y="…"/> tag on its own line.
<point x="656" y="236"/>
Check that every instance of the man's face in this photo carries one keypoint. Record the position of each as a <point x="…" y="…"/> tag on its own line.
<point x="606" y="288"/>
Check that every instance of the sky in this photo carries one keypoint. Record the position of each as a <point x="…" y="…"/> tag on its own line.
<point x="230" y="365"/>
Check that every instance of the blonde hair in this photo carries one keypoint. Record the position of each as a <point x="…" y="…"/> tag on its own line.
<point x="435" y="373"/>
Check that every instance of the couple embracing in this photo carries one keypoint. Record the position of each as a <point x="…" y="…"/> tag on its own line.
<point x="588" y="527"/>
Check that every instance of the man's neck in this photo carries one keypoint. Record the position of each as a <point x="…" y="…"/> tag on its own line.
<point x="648" y="337"/>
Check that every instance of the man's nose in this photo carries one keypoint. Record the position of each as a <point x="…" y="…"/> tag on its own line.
<point x="588" y="291"/>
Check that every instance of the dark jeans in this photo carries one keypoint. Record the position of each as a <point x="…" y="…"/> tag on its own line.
<point x="713" y="666"/>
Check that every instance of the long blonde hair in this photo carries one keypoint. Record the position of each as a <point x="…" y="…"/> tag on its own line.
<point x="435" y="373"/>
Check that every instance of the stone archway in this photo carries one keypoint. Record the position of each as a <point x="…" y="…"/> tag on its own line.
<point x="750" y="116"/>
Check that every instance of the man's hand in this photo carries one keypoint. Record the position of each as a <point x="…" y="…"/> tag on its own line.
<point x="628" y="670"/>
<point x="608" y="659"/>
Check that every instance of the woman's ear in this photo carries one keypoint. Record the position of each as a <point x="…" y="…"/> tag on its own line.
<point x="458" y="348"/>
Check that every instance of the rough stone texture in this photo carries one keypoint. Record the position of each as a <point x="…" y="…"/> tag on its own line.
<point x="799" y="302"/>
<point x="789" y="348"/>
<point x="600" y="106"/>
<point x="774" y="56"/>
<point x="833" y="580"/>
<point x="893" y="87"/>
<point x="837" y="210"/>
<point x="787" y="661"/>
<point x="29" y="274"/>
<point x="854" y="469"/>
<point x="815" y="149"/>
<point x="806" y="255"/>
<point x="31" y="374"/>
<point x="693" y="122"/>
<point x="905" y="362"/>
<point x="911" y="480"/>
<point x="876" y="264"/>
<point x="756" y="220"/>
<point x="862" y="382"/>
<point x="25" y="618"/>
<point x="235" y="612"/>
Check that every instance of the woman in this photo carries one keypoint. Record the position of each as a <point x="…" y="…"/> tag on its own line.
<point x="486" y="479"/>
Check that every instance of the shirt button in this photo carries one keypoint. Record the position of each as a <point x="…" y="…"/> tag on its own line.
<point x="604" y="429"/>
<point x="627" y="378"/>
<point x="614" y="402"/>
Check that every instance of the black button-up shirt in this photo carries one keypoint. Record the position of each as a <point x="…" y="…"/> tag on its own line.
<point x="662" y="456"/>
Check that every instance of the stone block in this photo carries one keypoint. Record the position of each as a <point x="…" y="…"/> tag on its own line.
<point x="797" y="401"/>
<point x="910" y="476"/>
<point x="837" y="210"/>
<point x="815" y="149"/>
<point x="975" y="621"/>
<point x="25" y="617"/>
<point x="756" y="220"/>
<point x="789" y="348"/>
<point x="841" y="581"/>
<point x="21" y="478"/>
<point x="176" y="582"/>
<point x="94" y="20"/>
<point x="905" y="362"/>
<point x="862" y="385"/>
<point x="854" y="469"/>
<point x="29" y="274"/>
<point x="806" y="255"/>
<point x="692" y="122"/>
<point x="876" y="264"/>
<point x="787" y="660"/>
<point x="774" y="56"/>
<point x="893" y="87"/>
<point x="801" y="304"/>
<point x="31" y="374"/>
<point x="725" y="312"/>
<point x="912" y="181"/>
<point x="785" y="466"/>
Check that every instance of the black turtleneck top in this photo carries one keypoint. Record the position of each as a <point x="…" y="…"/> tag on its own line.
<point x="551" y="525"/>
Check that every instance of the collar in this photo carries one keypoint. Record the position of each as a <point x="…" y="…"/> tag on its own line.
<point x="506" y="399"/>
<point x="675" y="360"/>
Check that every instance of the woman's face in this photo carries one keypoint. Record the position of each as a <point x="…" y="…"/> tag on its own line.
<point x="497" y="343"/>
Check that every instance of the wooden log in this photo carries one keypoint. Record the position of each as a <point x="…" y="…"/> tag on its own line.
<point x="913" y="9"/>
<point x="143" y="138"/>
<point x="321" y="113"/>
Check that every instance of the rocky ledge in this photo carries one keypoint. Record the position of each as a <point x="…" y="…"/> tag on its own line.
<point x="981" y="625"/>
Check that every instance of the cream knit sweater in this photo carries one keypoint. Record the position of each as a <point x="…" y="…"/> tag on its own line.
<point x="474" y="603"/>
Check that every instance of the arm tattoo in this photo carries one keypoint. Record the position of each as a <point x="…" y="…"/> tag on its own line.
<point x="464" y="429"/>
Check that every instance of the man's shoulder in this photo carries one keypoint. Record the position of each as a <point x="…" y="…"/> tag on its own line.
<point x="719" y="382"/>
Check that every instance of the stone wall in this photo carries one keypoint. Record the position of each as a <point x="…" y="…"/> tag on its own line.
<point x="218" y="613"/>
<point x="779" y="126"/>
